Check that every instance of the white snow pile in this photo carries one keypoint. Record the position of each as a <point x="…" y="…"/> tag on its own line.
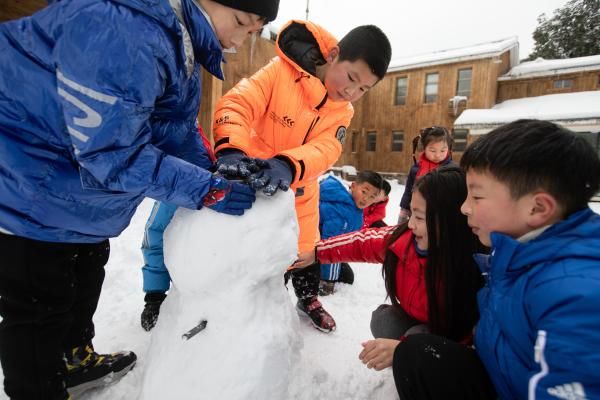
<point x="232" y="278"/>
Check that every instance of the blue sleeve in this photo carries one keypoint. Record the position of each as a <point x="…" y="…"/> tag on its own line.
<point x="110" y="72"/>
<point x="566" y="311"/>
<point x="410" y="181"/>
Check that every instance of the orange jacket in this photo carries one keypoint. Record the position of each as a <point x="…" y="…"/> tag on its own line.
<point x="283" y="110"/>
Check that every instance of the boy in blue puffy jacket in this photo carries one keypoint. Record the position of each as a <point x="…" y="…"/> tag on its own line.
<point x="341" y="211"/>
<point x="98" y="105"/>
<point x="529" y="184"/>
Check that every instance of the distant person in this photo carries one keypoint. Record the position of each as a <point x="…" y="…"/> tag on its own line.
<point x="374" y="214"/>
<point x="429" y="272"/>
<point x="529" y="187"/>
<point x="436" y="144"/>
<point x="341" y="211"/>
<point x="98" y="103"/>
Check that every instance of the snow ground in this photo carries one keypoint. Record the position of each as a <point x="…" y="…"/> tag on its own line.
<point x="329" y="364"/>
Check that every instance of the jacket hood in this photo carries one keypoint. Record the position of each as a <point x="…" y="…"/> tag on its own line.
<point x="576" y="237"/>
<point x="304" y="45"/>
<point x="206" y="47"/>
<point x="333" y="190"/>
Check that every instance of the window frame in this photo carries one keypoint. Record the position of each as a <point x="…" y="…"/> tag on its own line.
<point x="371" y="134"/>
<point x="396" y="87"/>
<point x="459" y="80"/>
<point x="393" y="141"/>
<point x="459" y="144"/>
<point x="562" y="85"/>
<point x="426" y="98"/>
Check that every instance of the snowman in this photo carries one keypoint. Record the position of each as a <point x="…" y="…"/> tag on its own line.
<point x="228" y="329"/>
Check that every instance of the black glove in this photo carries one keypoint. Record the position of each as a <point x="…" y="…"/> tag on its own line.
<point x="151" y="309"/>
<point x="275" y="173"/>
<point x="234" y="164"/>
<point x="228" y="197"/>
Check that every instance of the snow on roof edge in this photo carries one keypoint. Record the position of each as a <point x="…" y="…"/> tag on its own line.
<point x="577" y="106"/>
<point x="477" y="51"/>
<point x="541" y="67"/>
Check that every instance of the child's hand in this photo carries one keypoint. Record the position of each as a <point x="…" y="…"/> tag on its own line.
<point x="304" y="260"/>
<point x="378" y="353"/>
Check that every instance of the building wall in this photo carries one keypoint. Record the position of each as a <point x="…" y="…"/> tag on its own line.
<point x="539" y="86"/>
<point x="376" y="111"/>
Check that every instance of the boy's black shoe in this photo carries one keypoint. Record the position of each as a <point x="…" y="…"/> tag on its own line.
<point x="346" y="274"/>
<point x="326" y="287"/>
<point x="151" y="309"/>
<point x="313" y="309"/>
<point x="87" y="369"/>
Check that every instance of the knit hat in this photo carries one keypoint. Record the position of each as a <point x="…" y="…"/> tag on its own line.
<point x="264" y="8"/>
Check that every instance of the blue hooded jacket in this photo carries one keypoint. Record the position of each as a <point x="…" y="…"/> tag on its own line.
<point x="539" y="328"/>
<point x="98" y="105"/>
<point x="338" y="214"/>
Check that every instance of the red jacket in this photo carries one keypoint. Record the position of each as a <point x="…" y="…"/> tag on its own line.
<point x="370" y="245"/>
<point x="375" y="212"/>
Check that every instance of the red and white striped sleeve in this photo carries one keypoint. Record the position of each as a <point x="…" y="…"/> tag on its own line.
<point x="367" y="245"/>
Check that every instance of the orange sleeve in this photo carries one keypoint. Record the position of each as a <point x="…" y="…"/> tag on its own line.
<point x="246" y="102"/>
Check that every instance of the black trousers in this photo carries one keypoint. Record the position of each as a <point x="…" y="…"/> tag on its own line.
<point x="48" y="296"/>
<point x="305" y="280"/>
<point x="429" y="367"/>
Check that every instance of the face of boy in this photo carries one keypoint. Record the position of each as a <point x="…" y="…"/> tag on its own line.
<point x="364" y="194"/>
<point x="489" y="208"/>
<point x="231" y="26"/>
<point x="417" y="222"/>
<point x="347" y="80"/>
<point x="436" y="151"/>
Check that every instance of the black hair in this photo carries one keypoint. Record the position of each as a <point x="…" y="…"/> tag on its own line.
<point x="386" y="187"/>
<point x="452" y="277"/>
<point x="429" y="135"/>
<point x="367" y="43"/>
<point x="371" y="177"/>
<point x="530" y="155"/>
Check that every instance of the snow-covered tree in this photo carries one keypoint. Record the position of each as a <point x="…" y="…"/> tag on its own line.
<point x="572" y="31"/>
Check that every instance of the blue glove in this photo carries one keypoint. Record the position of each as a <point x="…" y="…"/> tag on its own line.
<point x="233" y="164"/>
<point x="228" y="197"/>
<point x="275" y="174"/>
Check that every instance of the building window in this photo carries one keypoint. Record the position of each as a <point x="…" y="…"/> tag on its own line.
<point x="397" y="140"/>
<point x="431" y="87"/>
<point x="463" y="84"/>
<point x="460" y="139"/>
<point x="355" y="139"/>
<point x="401" y="90"/>
<point x="563" y="84"/>
<point x="371" y="141"/>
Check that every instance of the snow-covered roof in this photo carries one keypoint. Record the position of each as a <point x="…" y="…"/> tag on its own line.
<point x="541" y="67"/>
<point x="552" y="107"/>
<point x="474" y="52"/>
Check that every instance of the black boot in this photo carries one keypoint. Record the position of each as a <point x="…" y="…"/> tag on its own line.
<point x="87" y="369"/>
<point x="313" y="309"/>
<point x="151" y="309"/>
<point x="346" y="274"/>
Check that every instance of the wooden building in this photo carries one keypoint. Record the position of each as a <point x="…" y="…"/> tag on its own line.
<point x="565" y="91"/>
<point x="422" y="91"/>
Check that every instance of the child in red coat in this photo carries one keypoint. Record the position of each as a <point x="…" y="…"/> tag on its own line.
<point x="430" y="275"/>
<point x="374" y="215"/>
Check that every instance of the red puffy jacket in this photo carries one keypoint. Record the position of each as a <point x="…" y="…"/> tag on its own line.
<point x="370" y="245"/>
